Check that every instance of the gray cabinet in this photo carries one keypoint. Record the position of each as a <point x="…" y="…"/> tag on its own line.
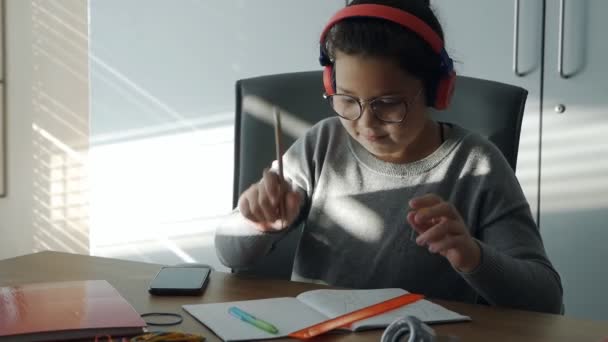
<point x="574" y="155"/>
<point x="557" y="50"/>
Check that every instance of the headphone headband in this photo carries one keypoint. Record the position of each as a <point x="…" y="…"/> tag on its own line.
<point x="392" y="14"/>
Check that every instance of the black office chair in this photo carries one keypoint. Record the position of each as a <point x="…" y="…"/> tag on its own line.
<point x="489" y="108"/>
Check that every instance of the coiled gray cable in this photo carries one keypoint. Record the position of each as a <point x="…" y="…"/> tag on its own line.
<point x="417" y="330"/>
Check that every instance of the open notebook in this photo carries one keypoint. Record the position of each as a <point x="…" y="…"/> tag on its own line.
<point x="290" y="314"/>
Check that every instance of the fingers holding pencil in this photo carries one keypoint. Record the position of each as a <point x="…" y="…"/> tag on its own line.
<point x="271" y="203"/>
<point x="261" y="203"/>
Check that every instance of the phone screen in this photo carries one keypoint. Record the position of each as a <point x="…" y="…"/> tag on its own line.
<point x="180" y="280"/>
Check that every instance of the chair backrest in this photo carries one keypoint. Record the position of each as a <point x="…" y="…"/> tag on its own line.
<point x="489" y="108"/>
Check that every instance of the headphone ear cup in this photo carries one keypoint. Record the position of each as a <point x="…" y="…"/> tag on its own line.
<point x="328" y="80"/>
<point x="445" y="90"/>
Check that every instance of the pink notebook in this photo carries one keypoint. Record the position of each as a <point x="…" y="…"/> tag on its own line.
<point x="66" y="310"/>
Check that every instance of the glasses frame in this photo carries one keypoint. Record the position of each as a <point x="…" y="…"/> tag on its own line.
<point x="365" y="102"/>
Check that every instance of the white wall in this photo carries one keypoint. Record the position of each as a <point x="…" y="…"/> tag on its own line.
<point x="46" y="127"/>
<point x="162" y="108"/>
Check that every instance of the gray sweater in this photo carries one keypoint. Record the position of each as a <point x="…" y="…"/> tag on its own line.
<point x="356" y="233"/>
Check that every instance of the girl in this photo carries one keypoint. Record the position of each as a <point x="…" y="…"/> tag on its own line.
<point x="389" y="197"/>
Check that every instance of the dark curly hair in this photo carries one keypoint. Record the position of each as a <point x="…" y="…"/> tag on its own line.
<point x="381" y="38"/>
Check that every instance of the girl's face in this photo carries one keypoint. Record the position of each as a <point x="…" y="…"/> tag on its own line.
<point x="367" y="78"/>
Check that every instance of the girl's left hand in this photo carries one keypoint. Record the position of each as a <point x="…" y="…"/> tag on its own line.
<point x="441" y="228"/>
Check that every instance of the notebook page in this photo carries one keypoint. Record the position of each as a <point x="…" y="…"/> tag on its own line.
<point x="287" y="314"/>
<point x="424" y="310"/>
<point x="335" y="303"/>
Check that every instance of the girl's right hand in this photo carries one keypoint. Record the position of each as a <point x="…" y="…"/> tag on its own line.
<point x="261" y="203"/>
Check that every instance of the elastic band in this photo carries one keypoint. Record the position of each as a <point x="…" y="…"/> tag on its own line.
<point x="178" y="318"/>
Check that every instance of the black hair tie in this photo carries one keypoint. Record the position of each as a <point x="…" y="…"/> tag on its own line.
<point x="178" y="318"/>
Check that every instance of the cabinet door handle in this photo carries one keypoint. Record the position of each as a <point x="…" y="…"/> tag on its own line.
<point x="516" y="42"/>
<point x="560" y="52"/>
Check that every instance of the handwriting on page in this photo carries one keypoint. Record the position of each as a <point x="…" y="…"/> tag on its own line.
<point x="333" y="303"/>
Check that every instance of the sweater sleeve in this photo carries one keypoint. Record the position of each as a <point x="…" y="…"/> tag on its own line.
<point x="514" y="270"/>
<point x="238" y="243"/>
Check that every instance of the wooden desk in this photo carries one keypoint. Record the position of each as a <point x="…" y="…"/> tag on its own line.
<point x="132" y="278"/>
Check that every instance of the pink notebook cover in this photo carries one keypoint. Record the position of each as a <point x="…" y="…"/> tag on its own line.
<point x="75" y="308"/>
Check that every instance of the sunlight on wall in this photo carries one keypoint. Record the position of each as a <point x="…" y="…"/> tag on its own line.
<point x="569" y="180"/>
<point x="59" y="132"/>
<point x="161" y="193"/>
<point x="528" y="156"/>
<point x="158" y="190"/>
<point x="60" y="195"/>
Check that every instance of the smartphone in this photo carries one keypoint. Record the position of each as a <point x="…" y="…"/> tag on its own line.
<point x="180" y="280"/>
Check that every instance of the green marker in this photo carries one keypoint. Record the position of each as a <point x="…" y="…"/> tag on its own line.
<point x="258" y="323"/>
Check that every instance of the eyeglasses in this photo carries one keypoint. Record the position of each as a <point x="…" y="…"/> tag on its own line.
<point x="390" y="109"/>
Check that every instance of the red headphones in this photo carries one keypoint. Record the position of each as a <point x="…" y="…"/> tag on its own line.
<point x="442" y="90"/>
